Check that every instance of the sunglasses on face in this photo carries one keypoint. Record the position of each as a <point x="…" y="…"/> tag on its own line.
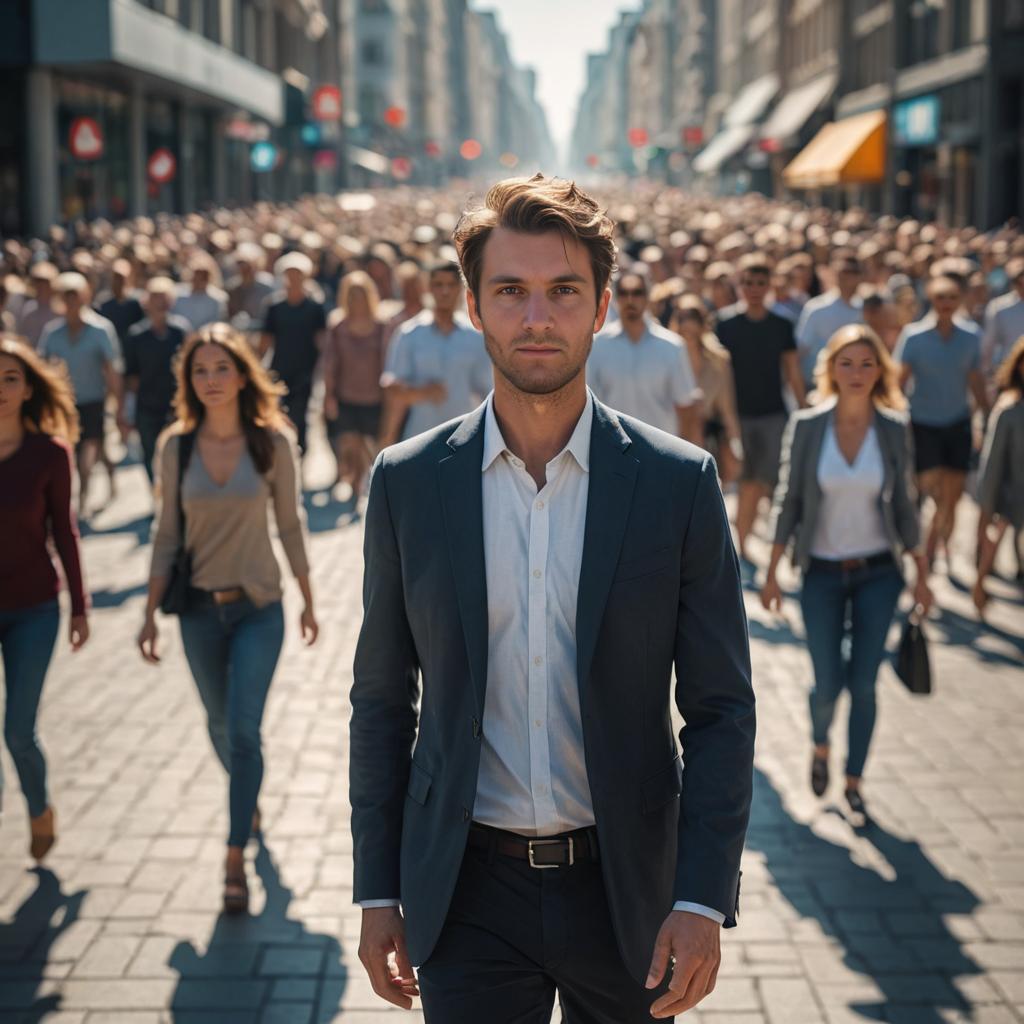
<point x="632" y="293"/>
<point x="946" y="297"/>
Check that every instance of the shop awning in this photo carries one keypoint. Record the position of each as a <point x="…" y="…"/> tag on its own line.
<point x="752" y="101"/>
<point x="368" y="160"/>
<point x="797" y="106"/>
<point x="847" y="152"/>
<point x="727" y="143"/>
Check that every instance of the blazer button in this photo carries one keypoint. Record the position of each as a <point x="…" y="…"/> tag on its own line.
<point x="465" y="814"/>
<point x="476" y="729"/>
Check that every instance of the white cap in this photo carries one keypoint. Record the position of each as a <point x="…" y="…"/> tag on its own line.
<point x="294" y="261"/>
<point x="71" y="281"/>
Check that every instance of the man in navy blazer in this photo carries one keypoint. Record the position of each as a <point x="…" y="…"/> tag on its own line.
<point x="523" y="823"/>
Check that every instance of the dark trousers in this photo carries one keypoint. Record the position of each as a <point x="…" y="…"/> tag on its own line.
<point x="296" y="403"/>
<point x="515" y="935"/>
<point x="149" y="425"/>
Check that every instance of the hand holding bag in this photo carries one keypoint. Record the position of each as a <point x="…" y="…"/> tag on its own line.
<point x="179" y="583"/>
<point x="912" y="664"/>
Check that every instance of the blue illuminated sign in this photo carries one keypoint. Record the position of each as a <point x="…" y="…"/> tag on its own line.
<point x="916" y="121"/>
<point x="263" y="156"/>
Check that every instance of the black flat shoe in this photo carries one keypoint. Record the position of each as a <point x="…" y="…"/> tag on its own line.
<point x="819" y="775"/>
<point x="856" y="803"/>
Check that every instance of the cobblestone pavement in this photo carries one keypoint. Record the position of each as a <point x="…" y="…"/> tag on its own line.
<point x="918" y="919"/>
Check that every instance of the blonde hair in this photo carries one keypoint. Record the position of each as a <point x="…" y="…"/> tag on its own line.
<point x="886" y="392"/>
<point x="358" y="279"/>
<point x="1010" y="375"/>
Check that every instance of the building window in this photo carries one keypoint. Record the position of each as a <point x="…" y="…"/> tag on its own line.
<point x="371" y="53"/>
<point x="211" y="20"/>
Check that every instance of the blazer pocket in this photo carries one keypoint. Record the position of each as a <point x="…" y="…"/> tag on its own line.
<point x="644" y="565"/>
<point x="663" y="787"/>
<point x="419" y="784"/>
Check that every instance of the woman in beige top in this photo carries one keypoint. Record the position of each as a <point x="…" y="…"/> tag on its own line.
<point x="230" y="455"/>
<point x="353" y="364"/>
<point x="712" y="366"/>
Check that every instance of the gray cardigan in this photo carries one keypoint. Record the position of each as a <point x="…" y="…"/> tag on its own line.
<point x="797" y="498"/>
<point x="1001" y="481"/>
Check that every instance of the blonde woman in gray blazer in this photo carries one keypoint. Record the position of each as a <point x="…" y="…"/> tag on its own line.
<point x="846" y="499"/>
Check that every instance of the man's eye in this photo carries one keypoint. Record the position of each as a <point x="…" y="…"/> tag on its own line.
<point x="566" y="289"/>
<point x="509" y="289"/>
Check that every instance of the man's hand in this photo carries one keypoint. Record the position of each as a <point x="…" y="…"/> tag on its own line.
<point x="383" y="937"/>
<point x="693" y="942"/>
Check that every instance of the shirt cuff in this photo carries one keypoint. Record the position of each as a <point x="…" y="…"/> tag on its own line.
<point x="695" y="908"/>
<point x="375" y="904"/>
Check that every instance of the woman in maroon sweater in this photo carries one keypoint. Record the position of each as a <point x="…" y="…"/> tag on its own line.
<point x="38" y="424"/>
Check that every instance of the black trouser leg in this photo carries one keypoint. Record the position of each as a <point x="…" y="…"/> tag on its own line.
<point x="514" y="935"/>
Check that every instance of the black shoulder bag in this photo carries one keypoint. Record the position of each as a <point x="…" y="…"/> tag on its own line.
<point x="179" y="583"/>
<point x="912" y="663"/>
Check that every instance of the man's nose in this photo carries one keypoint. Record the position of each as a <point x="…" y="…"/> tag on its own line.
<point x="537" y="314"/>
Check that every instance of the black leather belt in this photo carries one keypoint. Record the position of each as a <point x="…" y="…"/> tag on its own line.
<point x="852" y="564"/>
<point x="541" y="852"/>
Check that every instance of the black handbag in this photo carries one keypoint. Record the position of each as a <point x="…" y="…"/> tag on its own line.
<point x="179" y="582"/>
<point x="912" y="664"/>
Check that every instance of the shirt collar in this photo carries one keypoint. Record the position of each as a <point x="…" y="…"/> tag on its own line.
<point x="578" y="446"/>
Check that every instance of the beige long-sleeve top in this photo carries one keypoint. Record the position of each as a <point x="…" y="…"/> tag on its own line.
<point x="227" y="531"/>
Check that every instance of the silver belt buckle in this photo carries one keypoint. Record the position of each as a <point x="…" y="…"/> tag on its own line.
<point x="550" y="842"/>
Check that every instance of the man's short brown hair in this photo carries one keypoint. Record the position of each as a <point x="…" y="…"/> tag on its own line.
<point x="755" y="263"/>
<point x="535" y="206"/>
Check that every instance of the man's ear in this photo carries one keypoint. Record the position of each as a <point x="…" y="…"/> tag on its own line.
<point x="474" y="313"/>
<point x="602" y="309"/>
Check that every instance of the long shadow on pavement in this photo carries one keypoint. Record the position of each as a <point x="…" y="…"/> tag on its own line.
<point x="265" y="967"/>
<point x="324" y="512"/>
<point x="891" y="931"/>
<point x="26" y="942"/>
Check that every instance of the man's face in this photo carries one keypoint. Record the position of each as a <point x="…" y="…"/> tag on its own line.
<point x="849" y="276"/>
<point x="446" y="288"/>
<point x="72" y="303"/>
<point x="158" y="305"/>
<point x="294" y="279"/>
<point x="631" y="295"/>
<point x="945" y="299"/>
<point x="200" y="280"/>
<point x="538" y="308"/>
<point x="754" y="287"/>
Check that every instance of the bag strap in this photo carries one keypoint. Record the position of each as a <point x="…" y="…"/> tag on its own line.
<point x="185" y="443"/>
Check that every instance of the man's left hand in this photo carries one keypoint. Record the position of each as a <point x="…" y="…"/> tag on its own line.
<point x="693" y="942"/>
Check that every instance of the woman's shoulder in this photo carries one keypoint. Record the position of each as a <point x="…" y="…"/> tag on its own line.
<point x="47" y="448"/>
<point x="803" y="418"/>
<point x="893" y="419"/>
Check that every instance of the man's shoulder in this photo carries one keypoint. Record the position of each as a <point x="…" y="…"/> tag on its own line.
<point x="423" y="449"/>
<point x="422" y="320"/>
<point x="1002" y="304"/>
<point x="651" y="445"/>
<point x="823" y="301"/>
<point x="664" y="336"/>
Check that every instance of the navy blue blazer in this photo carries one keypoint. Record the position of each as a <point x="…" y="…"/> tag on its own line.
<point x="659" y="589"/>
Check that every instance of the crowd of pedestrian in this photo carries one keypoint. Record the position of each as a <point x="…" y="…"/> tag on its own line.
<point x="842" y="366"/>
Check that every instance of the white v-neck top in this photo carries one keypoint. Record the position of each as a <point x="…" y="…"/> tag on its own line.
<point x="850" y="521"/>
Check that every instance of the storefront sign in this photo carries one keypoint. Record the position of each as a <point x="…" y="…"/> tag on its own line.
<point x="325" y="160"/>
<point x="263" y="157"/>
<point x="327" y="103"/>
<point x="85" y="139"/>
<point x="311" y="135"/>
<point x="637" y="137"/>
<point x="161" y="166"/>
<point x="470" y="149"/>
<point x="401" y="168"/>
<point x="916" y="121"/>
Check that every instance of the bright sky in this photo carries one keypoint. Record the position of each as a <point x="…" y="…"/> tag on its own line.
<point x="554" y="37"/>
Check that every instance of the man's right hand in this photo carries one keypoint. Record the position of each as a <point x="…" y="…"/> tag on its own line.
<point x="382" y="952"/>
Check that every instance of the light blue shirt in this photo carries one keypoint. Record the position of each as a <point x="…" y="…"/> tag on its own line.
<point x="86" y="354"/>
<point x="819" y="320"/>
<point x="940" y="368"/>
<point x="421" y="354"/>
<point x="1004" y="324"/>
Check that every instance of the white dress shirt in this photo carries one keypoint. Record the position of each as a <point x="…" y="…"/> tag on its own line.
<point x="533" y="776"/>
<point x="850" y="523"/>
<point x="646" y="379"/>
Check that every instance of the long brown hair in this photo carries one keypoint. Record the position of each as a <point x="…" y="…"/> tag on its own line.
<point x="1010" y="375"/>
<point x="886" y="392"/>
<point x="259" y="401"/>
<point x="50" y="409"/>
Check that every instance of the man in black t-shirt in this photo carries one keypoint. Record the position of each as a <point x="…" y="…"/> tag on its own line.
<point x="294" y="327"/>
<point x="150" y="348"/>
<point x="119" y="305"/>
<point x="763" y="351"/>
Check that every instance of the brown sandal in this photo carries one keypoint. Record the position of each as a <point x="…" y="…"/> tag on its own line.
<point x="44" y="834"/>
<point x="236" y="894"/>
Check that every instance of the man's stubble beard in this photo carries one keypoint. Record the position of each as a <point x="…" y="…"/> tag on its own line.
<point x="557" y="380"/>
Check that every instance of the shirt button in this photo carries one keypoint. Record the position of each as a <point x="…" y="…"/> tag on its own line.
<point x="536" y="722"/>
<point x="536" y="574"/>
<point x="538" y="660"/>
<point x="540" y="504"/>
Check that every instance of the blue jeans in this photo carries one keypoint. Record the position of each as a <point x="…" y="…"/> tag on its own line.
<point x="232" y="650"/>
<point x="859" y="604"/>
<point x="27" y="636"/>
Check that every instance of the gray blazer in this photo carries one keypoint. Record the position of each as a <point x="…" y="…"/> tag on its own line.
<point x="659" y="590"/>
<point x="797" y="500"/>
<point x="1001" y="482"/>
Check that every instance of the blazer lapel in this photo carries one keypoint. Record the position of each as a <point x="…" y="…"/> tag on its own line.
<point x="462" y="500"/>
<point x="612" y="479"/>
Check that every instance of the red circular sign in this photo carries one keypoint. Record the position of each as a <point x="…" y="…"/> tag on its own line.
<point x="327" y="103"/>
<point x="401" y="168"/>
<point x="432" y="148"/>
<point x="470" y="149"/>
<point x="86" y="139"/>
<point x="593" y="160"/>
<point x="394" y="116"/>
<point x="325" y="160"/>
<point x="637" y="137"/>
<point x="161" y="166"/>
